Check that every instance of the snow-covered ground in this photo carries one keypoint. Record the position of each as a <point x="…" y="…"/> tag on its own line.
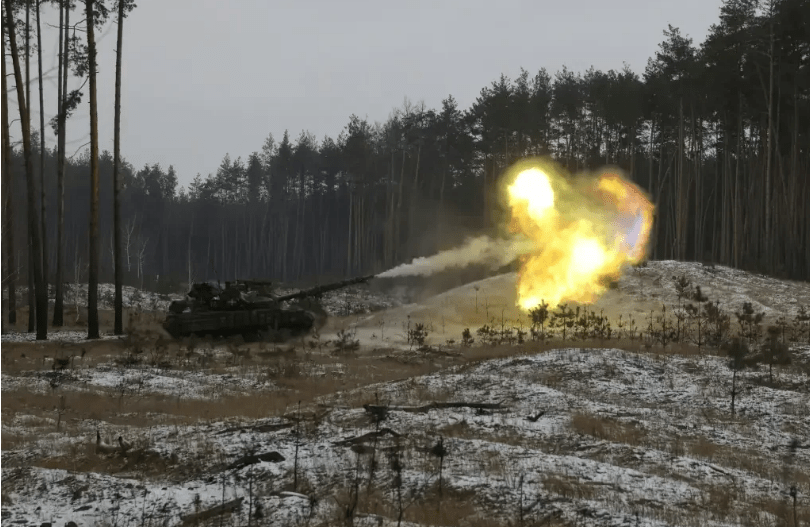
<point x="640" y="292"/>
<point x="132" y="297"/>
<point x="566" y="436"/>
<point x="664" y="446"/>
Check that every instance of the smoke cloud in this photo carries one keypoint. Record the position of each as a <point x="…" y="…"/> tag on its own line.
<point x="494" y="253"/>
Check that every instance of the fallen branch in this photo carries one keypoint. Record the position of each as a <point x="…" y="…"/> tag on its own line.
<point x="225" y="508"/>
<point x="258" y="428"/>
<point x="432" y="406"/>
<point x="379" y="520"/>
<point x="307" y="416"/>
<point x="366" y="437"/>
<point x="717" y="469"/>
<point x="534" y="418"/>
<point x="242" y="462"/>
<point x="289" y="494"/>
<point x="104" y="448"/>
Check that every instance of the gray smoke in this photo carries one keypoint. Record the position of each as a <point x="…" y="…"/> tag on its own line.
<point x="494" y="253"/>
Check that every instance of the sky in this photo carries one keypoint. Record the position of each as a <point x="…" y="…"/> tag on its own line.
<point x="205" y="78"/>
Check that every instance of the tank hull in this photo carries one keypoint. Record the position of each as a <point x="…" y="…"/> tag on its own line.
<point x="249" y="308"/>
<point x="250" y="323"/>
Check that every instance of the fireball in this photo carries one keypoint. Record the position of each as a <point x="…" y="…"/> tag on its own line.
<point x="581" y="232"/>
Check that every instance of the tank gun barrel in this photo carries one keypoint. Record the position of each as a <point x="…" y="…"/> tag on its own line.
<point x="254" y="282"/>
<point x="321" y="289"/>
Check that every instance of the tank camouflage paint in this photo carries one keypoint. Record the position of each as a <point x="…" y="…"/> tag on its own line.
<point x="248" y="308"/>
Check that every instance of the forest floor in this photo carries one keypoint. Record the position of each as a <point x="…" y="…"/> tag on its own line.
<point x="385" y="415"/>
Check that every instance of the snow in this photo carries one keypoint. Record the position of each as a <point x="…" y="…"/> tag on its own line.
<point x="669" y="450"/>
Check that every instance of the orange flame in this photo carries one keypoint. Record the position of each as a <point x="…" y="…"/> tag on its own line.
<point x="581" y="231"/>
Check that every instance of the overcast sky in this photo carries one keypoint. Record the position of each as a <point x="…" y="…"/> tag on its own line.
<point x="202" y="78"/>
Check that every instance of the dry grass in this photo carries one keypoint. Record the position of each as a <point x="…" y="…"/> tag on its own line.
<point x="26" y="356"/>
<point x="568" y="487"/>
<point x="146" y="409"/>
<point x="82" y="459"/>
<point x="781" y="509"/>
<point x="453" y="508"/>
<point x="703" y="448"/>
<point x="608" y="429"/>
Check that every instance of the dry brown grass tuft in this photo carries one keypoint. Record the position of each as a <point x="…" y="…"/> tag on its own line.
<point x="703" y="448"/>
<point x="781" y="509"/>
<point x="608" y="429"/>
<point x="568" y="487"/>
<point x="460" y="429"/>
<point x="83" y="459"/>
<point x="451" y="508"/>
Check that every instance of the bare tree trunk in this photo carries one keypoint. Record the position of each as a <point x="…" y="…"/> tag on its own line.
<point x="32" y="307"/>
<point x="414" y="200"/>
<point x="681" y="192"/>
<point x="190" y="273"/>
<point x="42" y="156"/>
<point x="8" y="195"/>
<point x="719" y="189"/>
<point x="738" y="213"/>
<point x="398" y="223"/>
<point x="349" y="244"/>
<point x="58" y="308"/>
<point x="285" y="244"/>
<point x="389" y="239"/>
<point x="794" y="176"/>
<point x="119" y="271"/>
<point x="222" y="268"/>
<point x="697" y="139"/>
<point x="119" y="274"/>
<point x="440" y="210"/>
<point x="650" y="167"/>
<point x="33" y="221"/>
<point x="32" y="304"/>
<point x="768" y="245"/>
<point x="658" y="215"/>
<point x="92" y="286"/>
<point x="722" y="195"/>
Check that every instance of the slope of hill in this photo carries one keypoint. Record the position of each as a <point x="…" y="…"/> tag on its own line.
<point x="545" y="433"/>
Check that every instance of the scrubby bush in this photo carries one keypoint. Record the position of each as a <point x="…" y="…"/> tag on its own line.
<point x="539" y="316"/>
<point x="750" y="322"/>
<point x="417" y="334"/>
<point x="346" y="341"/>
<point x="466" y="338"/>
<point x="774" y="351"/>
<point x="737" y="350"/>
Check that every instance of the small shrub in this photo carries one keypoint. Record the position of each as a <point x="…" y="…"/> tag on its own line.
<point x="737" y="349"/>
<point x="717" y="323"/>
<point x="539" y="316"/>
<point x="774" y="351"/>
<point x="801" y="325"/>
<point x="563" y="318"/>
<point x="345" y="341"/>
<point x="750" y="322"/>
<point x="417" y="334"/>
<point x="466" y="338"/>
<point x="488" y="335"/>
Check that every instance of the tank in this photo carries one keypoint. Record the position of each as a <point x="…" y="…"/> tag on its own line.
<point x="248" y="308"/>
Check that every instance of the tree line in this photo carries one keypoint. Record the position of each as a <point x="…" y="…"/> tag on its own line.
<point x="718" y="134"/>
